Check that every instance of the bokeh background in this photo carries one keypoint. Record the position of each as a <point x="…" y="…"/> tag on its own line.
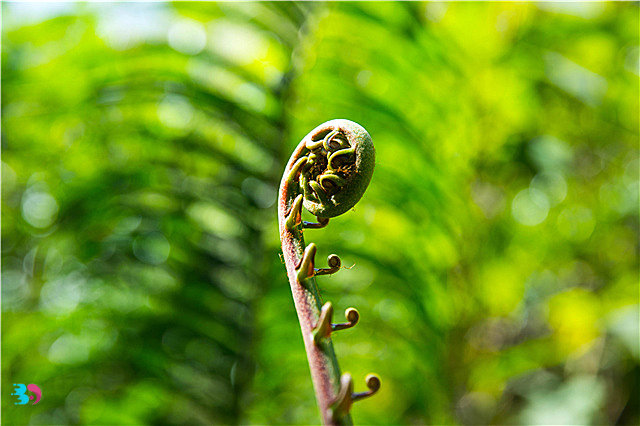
<point x="495" y="251"/>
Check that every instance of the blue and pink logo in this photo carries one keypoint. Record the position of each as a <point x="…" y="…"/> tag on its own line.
<point x="20" y="391"/>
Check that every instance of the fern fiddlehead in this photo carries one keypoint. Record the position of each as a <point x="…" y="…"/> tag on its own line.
<point x="327" y="173"/>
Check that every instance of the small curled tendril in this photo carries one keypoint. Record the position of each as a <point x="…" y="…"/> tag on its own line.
<point x="334" y="263"/>
<point x="324" y="328"/>
<point x="346" y="397"/>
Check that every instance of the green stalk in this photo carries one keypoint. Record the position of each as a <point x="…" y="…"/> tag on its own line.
<point x="328" y="173"/>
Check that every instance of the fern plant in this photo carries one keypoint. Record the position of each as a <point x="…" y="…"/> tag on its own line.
<point x="327" y="173"/>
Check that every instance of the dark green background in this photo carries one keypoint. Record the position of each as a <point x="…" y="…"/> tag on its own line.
<point x="495" y="251"/>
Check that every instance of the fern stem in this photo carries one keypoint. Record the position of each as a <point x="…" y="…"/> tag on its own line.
<point x="312" y="162"/>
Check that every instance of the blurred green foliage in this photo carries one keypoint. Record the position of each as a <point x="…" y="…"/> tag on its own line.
<point x="495" y="251"/>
